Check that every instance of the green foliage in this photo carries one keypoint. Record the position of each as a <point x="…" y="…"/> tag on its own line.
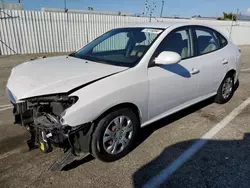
<point x="228" y="16"/>
<point x="90" y="8"/>
<point x="196" y="16"/>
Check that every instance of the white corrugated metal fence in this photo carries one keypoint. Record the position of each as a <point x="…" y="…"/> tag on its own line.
<point x="23" y="32"/>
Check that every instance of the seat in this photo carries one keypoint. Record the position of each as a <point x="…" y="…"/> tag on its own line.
<point x="136" y="37"/>
<point x="206" y="44"/>
<point x="184" y="52"/>
<point x="138" y="50"/>
<point x="175" y="43"/>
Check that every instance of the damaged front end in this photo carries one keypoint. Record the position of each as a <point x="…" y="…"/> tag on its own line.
<point x="42" y="117"/>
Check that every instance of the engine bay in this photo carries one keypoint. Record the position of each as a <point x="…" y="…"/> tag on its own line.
<point x="42" y="117"/>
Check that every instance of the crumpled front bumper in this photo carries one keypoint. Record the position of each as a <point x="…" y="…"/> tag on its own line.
<point x="47" y="130"/>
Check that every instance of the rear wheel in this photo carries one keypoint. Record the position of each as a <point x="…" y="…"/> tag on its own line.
<point x="226" y="90"/>
<point x="114" y="135"/>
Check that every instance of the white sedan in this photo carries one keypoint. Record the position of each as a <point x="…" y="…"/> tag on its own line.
<point x="96" y="99"/>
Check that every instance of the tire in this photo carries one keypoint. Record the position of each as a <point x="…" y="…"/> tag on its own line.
<point x="108" y="125"/>
<point x="221" y="98"/>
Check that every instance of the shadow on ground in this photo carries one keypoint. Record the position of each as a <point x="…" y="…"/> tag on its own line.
<point x="148" y="130"/>
<point x="224" y="163"/>
<point x="77" y="163"/>
<point x="11" y="143"/>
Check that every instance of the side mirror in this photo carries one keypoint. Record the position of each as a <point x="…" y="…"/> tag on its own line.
<point x="167" y="58"/>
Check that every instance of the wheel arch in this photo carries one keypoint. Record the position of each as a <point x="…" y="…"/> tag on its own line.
<point x="129" y="105"/>
<point x="231" y="72"/>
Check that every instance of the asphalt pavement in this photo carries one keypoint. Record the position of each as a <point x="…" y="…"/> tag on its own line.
<point x="224" y="161"/>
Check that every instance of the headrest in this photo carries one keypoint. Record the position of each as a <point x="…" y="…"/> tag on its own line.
<point x="138" y="36"/>
<point x="204" y="39"/>
<point x="176" y="37"/>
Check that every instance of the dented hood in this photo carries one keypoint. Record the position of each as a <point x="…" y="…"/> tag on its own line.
<point x="55" y="75"/>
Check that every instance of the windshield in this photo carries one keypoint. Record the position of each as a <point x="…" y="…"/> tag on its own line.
<point x="122" y="47"/>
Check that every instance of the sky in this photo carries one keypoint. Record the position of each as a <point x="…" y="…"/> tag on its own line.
<point x="182" y="8"/>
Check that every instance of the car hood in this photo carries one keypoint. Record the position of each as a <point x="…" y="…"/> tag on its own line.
<point x="55" y="75"/>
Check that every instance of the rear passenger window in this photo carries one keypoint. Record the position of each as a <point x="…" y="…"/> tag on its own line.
<point x="222" y="39"/>
<point x="207" y="40"/>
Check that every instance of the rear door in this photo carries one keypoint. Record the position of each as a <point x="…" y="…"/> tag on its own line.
<point x="212" y="57"/>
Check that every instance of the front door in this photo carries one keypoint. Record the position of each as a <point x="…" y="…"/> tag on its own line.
<point x="173" y="86"/>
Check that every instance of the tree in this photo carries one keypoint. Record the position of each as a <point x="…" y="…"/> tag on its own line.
<point x="90" y="8"/>
<point x="228" y="16"/>
<point x="196" y="16"/>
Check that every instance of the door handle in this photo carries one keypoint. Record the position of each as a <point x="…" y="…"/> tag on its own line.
<point x="224" y="62"/>
<point x="194" y="71"/>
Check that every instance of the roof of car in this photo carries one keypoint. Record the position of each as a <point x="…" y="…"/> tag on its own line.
<point x="164" y="25"/>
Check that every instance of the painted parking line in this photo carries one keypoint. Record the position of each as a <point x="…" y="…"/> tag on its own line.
<point x="186" y="155"/>
<point x="15" y="151"/>
<point x="6" y="122"/>
<point x="245" y="70"/>
<point x="5" y="105"/>
<point x="7" y="108"/>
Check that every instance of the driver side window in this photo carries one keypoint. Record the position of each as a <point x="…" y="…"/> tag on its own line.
<point x="178" y="41"/>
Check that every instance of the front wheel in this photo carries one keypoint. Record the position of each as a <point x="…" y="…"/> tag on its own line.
<point x="114" y="135"/>
<point x="226" y="90"/>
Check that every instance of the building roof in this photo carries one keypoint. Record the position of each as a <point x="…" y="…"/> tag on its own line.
<point x="165" y="25"/>
<point x="243" y="17"/>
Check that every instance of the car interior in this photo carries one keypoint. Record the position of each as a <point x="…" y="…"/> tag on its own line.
<point x="135" y="48"/>
<point x="206" y="44"/>
<point x="174" y="43"/>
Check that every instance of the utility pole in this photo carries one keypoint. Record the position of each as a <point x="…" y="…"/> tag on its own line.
<point x="2" y="1"/>
<point x="65" y="5"/>
<point x="237" y="14"/>
<point x="162" y="5"/>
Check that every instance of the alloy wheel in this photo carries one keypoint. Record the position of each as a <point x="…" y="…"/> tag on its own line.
<point x="117" y="135"/>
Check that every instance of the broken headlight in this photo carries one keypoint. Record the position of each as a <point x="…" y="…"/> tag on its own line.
<point x="54" y="105"/>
